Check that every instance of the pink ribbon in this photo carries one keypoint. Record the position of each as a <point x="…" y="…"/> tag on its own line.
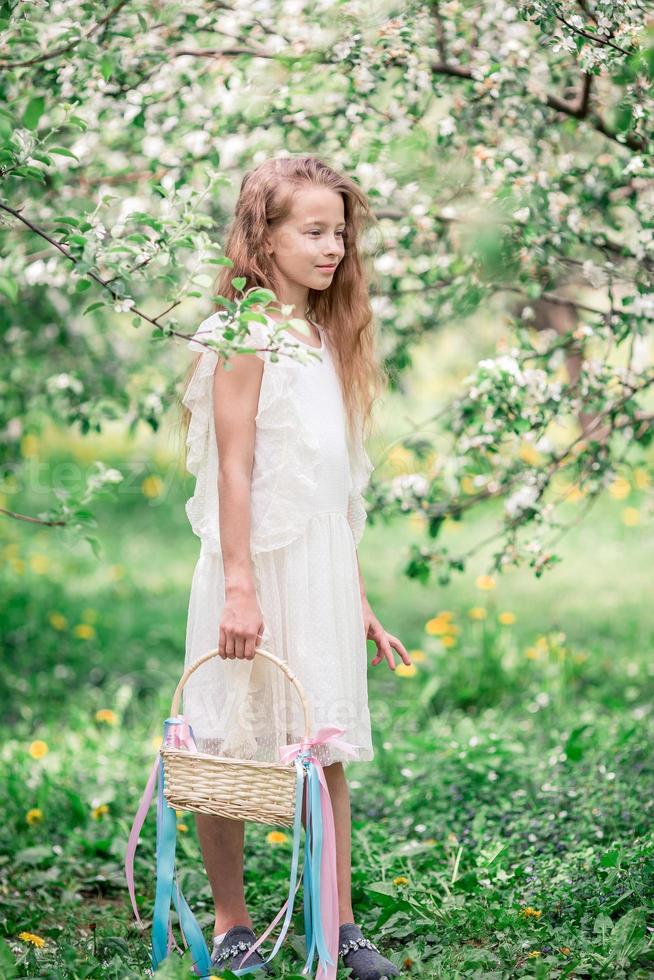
<point x="329" y="733"/>
<point x="180" y="736"/>
<point x="328" y="880"/>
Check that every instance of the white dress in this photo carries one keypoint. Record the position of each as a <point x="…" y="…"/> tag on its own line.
<point x="307" y="517"/>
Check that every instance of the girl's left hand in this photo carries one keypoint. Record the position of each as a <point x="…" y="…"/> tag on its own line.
<point x="384" y="641"/>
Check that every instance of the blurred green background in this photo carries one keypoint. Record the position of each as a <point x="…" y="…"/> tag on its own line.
<point x="504" y="827"/>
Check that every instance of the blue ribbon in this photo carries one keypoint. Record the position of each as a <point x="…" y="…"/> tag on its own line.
<point x="166" y="872"/>
<point x="293" y="879"/>
<point x="166" y="843"/>
<point x="313" y="918"/>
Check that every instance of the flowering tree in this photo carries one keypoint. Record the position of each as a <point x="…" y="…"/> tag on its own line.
<point x="507" y="150"/>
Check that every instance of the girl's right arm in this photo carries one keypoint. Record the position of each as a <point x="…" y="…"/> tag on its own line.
<point x="235" y="405"/>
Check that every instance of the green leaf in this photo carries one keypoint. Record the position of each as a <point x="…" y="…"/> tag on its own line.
<point x="628" y="936"/>
<point x="93" y="306"/>
<point x="9" y="287"/>
<point x="62" y="151"/>
<point x="33" y="112"/>
<point x="239" y="282"/>
<point x="96" y="546"/>
<point x="260" y="296"/>
<point x="33" y="855"/>
<point x="575" y="747"/>
<point x="610" y="859"/>
<point x="106" y="66"/>
<point x="8" y="968"/>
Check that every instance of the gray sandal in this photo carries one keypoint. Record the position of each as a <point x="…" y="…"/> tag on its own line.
<point x="229" y="951"/>
<point x="361" y="956"/>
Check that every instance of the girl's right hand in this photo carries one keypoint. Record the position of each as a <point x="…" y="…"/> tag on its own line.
<point x="241" y="626"/>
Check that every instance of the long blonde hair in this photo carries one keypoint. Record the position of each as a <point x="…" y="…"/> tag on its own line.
<point x="343" y="309"/>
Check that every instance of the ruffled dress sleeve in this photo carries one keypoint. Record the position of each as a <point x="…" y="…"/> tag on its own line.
<point x="361" y="468"/>
<point x="286" y="456"/>
<point x="201" y="447"/>
<point x="286" y="463"/>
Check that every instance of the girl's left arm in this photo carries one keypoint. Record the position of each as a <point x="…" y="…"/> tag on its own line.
<point x="384" y="641"/>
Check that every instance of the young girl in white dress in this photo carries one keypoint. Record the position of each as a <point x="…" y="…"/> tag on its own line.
<point x="277" y="448"/>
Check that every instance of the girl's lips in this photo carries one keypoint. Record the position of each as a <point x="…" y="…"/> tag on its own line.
<point x="326" y="268"/>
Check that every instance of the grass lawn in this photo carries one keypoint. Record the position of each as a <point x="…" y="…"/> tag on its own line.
<point x="504" y="828"/>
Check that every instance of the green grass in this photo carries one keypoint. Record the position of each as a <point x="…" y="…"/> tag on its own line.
<point x="511" y="791"/>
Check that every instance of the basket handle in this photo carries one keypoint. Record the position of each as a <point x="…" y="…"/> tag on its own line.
<point x="263" y="653"/>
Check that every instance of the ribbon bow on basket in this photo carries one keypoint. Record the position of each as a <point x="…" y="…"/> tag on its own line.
<point x="184" y="778"/>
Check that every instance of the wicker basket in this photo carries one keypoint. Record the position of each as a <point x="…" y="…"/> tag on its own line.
<point x="237" y="788"/>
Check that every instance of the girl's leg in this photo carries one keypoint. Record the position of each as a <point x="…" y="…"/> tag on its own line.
<point x="340" y="796"/>
<point x="221" y="841"/>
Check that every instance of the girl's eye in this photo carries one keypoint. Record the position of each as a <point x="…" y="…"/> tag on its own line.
<point x="317" y="232"/>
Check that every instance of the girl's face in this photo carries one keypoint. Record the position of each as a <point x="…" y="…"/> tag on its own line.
<point x="309" y="244"/>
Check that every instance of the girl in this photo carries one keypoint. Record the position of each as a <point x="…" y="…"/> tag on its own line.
<point x="280" y="445"/>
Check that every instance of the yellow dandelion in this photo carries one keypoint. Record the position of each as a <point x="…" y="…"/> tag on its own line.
<point x="448" y="641"/>
<point x="152" y="486"/>
<point x="400" y="459"/>
<point x="529" y="454"/>
<point x="107" y="715"/>
<point x="116" y="572"/>
<point x="57" y="621"/>
<point x="532" y="954"/>
<point x="182" y="827"/>
<point x="620" y="488"/>
<point x="506" y="618"/>
<point x="418" y="656"/>
<point x="39" y="564"/>
<point x="453" y="628"/>
<point x="34" y="815"/>
<point x="533" y="653"/>
<point x="276" y="837"/>
<point x="437" y="625"/>
<point x="31" y="937"/>
<point x="406" y="670"/>
<point x="485" y="582"/>
<point x="630" y="516"/>
<point x="642" y="479"/>
<point x="84" y="631"/>
<point x="477" y="612"/>
<point x="18" y="565"/>
<point x="29" y="445"/>
<point x="38" y="749"/>
<point x="575" y="494"/>
<point x="99" y="811"/>
<point x="400" y="880"/>
<point x="530" y="913"/>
